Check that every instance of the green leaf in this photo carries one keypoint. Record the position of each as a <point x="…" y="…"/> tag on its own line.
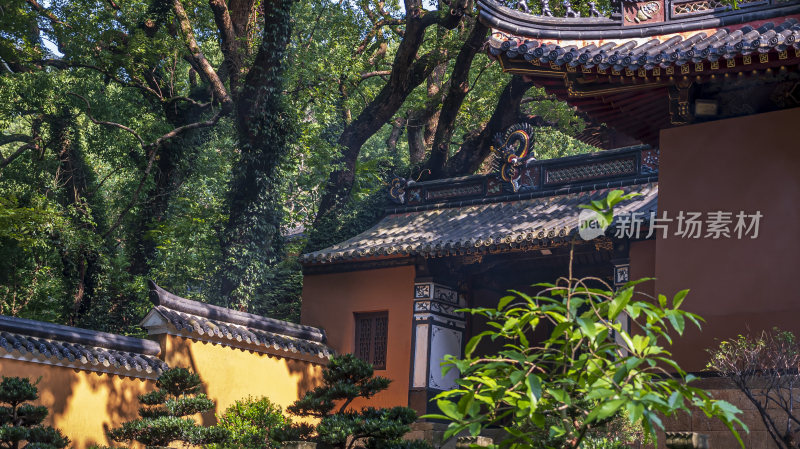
<point x="588" y="327"/>
<point x="534" y="384"/>
<point x="504" y="301"/>
<point x="474" y="341"/>
<point x="678" y="299"/>
<point x="613" y="196"/>
<point x="619" y="303"/>
<point x="448" y="408"/>
<point x="606" y="409"/>
<point x="677" y="321"/>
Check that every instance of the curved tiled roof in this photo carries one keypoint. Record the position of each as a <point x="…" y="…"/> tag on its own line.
<point x="54" y="344"/>
<point x="179" y="316"/>
<point x="680" y="16"/>
<point x="648" y="53"/>
<point x="478" y="228"/>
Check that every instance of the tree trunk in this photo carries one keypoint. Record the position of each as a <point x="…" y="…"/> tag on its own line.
<point x="251" y="240"/>
<point x="457" y="92"/>
<point x="80" y="266"/>
<point x="475" y="149"/>
<point x="171" y="169"/>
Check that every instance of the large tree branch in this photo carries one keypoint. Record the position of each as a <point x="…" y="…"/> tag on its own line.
<point x="45" y="12"/>
<point x="205" y="68"/>
<point x="62" y="64"/>
<point x="475" y="148"/>
<point x="230" y="44"/>
<point x="16" y="154"/>
<point x="459" y="88"/>
<point x="375" y="73"/>
<point x="15" y="138"/>
<point x="105" y="123"/>
<point x="374" y="31"/>
<point x="409" y="70"/>
<point x="422" y="122"/>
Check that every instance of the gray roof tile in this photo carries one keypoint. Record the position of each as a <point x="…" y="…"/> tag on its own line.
<point x="79" y="348"/>
<point x="234" y="328"/>
<point x="477" y="228"/>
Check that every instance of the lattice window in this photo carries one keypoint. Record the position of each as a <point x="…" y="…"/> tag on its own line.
<point x="705" y="5"/>
<point x="372" y="330"/>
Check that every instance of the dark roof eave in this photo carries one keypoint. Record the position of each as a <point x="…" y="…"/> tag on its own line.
<point x="312" y="262"/>
<point x="70" y="334"/>
<point x="514" y="22"/>
<point x="161" y="297"/>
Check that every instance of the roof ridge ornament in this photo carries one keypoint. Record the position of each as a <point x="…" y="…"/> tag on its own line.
<point x="514" y="150"/>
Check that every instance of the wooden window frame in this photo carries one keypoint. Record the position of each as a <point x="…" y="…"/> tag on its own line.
<point x="374" y="353"/>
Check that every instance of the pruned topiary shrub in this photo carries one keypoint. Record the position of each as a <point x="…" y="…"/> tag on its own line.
<point x="345" y="379"/>
<point x="21" y="423"/>
<point x="165" y="414"/>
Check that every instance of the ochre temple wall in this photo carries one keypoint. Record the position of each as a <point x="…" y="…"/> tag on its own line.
<point x="743" y="164"/>
<point x="330" y="300"/>
<point x="230" y="374"/>
<point x="82" y="404"/>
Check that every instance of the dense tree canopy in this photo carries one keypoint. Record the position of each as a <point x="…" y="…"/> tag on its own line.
<point x="182" y="140"/>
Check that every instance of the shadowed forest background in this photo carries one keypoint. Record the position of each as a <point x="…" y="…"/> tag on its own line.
<point x="205" y="144"/>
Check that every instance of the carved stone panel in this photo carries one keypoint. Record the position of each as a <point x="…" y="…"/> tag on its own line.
<point x="646" y="12"/>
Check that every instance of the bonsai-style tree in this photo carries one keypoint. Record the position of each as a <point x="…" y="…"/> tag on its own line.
<point x="20" y="423"/>
<point x="164" y="416"/>
<point x="345" y="379"/>
<point x="765" y="368"/>
<point x="586" y="371"/>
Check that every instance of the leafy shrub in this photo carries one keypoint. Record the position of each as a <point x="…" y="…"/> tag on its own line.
<point x="249" y="423"/>
<point x="22" y="423"/>
<point x="587" y="370"/>
<point x="164" y="414"/>
<point x="345" y="379"/>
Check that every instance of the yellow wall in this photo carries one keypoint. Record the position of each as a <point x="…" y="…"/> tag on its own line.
<point x="230" y="374"/>
<point x="82" y="404"/>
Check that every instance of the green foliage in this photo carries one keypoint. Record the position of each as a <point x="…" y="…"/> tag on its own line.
<point x="588" y="368"/>
<point x="249" y="423"/>
<point x="163" y="418"/>
<point x="345" y="379"/>
<point x="20" y="423"/>
<point x="216" y="199"/>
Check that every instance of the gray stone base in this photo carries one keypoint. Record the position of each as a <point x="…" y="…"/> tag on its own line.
<point x="433" y="432"/>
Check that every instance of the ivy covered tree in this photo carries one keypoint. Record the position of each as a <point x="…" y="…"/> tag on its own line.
<point x="344" y="380"/>
<point x="20" y="423"/>
<point x="165" y="414"/>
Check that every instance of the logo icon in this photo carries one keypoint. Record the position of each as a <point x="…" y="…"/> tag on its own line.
<point x="591" y="224"/>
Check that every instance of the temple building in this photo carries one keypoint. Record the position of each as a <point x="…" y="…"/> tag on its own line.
<point x="709" y="93"/>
